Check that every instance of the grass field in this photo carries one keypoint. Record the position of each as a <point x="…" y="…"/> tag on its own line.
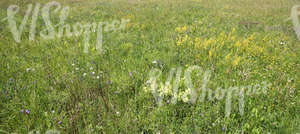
<point x="53" y="84"/>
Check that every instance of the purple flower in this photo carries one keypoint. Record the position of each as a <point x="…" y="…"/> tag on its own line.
<point x="27" y="111"/>
<point x="223" y="129"/>
<point x="116" y="92"/>
<point x="22" y="111"/>
<point x="130" y="74"/>
<point x="23" y="87"/>
<point x="59" y="122"/>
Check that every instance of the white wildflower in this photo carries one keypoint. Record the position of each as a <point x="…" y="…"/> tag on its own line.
<point x="185" y="95"/>
<point x="148" y="82"/>
<point x="185" y="98"/>
<point x="165" y="90"/>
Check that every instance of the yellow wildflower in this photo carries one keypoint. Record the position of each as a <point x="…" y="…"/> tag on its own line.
<point x="206" y="43"/>
<point x="233" y="38"/>
<point x="222" y="35"/>
<point x="185" y="38"/>
<point x="233" y="30"/>
<point x="197" y="42"/>
<point x="238" y="44"/>
<point x="236" y="61"/>
<point x="180" y="40"/>
<point x="227" y="57"/>
<point x="181" y="29"/>
<point x="210" y="53"/>
<point x="184" y="28"/>
<point x="251" y="37"/>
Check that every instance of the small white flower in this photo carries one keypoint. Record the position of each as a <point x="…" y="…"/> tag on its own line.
<point x="73" y="64"/>
<point x="118" y="113"/>
<point x="91" y="68"/>
<point x="185" y="98"/>
<point x="154" y="62"/>
<point x="52" y="111"/>
<point x="93" y="72"/>
<point x="148" y="82"/>
<point x="76" y="68"/>
<point x="84" y="74"/>
<point x="97" y="77"/>
<point x="282" y="43"/>
<point x="27" y="69"/>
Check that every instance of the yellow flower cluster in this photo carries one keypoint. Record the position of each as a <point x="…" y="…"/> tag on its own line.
<point x="181" y="40"/>
<point x="181" y="29"/>
<point x="226" y="48"/>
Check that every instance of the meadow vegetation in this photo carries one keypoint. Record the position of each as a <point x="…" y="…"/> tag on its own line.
<point x="53" y="84"/>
